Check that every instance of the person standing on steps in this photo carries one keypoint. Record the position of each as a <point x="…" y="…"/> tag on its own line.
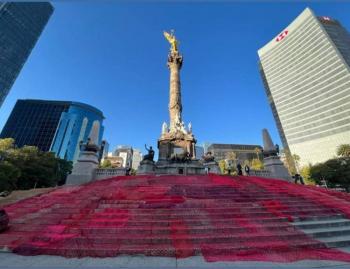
<point x="239" y="169"/>
<point x="246" y="169"/>
<point x="297" y="178"/>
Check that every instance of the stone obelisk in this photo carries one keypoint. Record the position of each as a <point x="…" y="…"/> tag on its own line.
<point x="272" y="162"/>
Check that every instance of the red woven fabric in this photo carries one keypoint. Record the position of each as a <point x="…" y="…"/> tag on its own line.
<point x="222" y="218"/>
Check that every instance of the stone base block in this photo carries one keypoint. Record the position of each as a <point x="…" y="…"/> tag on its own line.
<point x="75" y="179"/>
<point x="212" y="167"/>
<point x="276" y="168"/>
<point x="84" y="169"/>
<point x="174" y="168"/>
<point x="146" y="168"/>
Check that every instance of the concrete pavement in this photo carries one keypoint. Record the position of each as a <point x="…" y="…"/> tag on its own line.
<point x="10" y="260"/>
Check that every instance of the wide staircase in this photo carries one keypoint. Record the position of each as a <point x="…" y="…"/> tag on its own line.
<point x="219" y="217"/>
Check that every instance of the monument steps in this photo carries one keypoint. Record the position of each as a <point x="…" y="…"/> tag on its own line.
<point x="329" y="231"/>
<point x="235" y="217"/>
<point x="212" y="211"/>
<point x="129" y="239"/>
<point x="168" y="250"/>
<point x="336" y="241"/>
<point x="167" y="223"/>
<point x="323" y="224"/>
<point x="17" y="225"/>
<point x="332" y="232"/>
<point x="223" y="229"/>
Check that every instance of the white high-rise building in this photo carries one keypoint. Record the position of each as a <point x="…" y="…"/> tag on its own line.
<point x="306" y="74"/>
<point x="136" y="158"/>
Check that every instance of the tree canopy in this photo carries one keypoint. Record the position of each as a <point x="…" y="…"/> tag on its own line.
<point x="343" y="150"/>
<point x="28" y="167"/>
<point x="336" y="172"/>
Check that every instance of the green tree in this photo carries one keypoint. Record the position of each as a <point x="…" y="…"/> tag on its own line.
<point x="64" y="168"/>
<point x="305" y="172"/>
<point x="106" y="164"/>
<point x="38" y="169"/>
<point x="336" y="172"/>
<point x="230" y="162"/>
<point x="291" y="166"/>
<point x="343" y="150"/>
<point x="222" y="166"/>
<point x="257" y="164"/>
<point x="9" y="175"/>
<point x="6" y="144"/>
<point x="257" y="152"/>
<point x="28" y="167"/>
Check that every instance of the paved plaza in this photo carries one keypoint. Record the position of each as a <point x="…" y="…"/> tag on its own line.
<point x="10" y="260"/>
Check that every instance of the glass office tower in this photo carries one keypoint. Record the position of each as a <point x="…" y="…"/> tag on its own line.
<point x="20" y="27"/>
<point x="306" y="74"/>
<point x="56" y="126"/>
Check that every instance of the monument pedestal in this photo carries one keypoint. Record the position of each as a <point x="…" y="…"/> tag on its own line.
<point x="272" y="162"/>
<point x="146" y="167"/>
<point x="193" y="167"/>
<point x="274" y="165"/>
<point x="173" y="144"/>
<point x="212" y="167"/>
<point x="83" y="170"/>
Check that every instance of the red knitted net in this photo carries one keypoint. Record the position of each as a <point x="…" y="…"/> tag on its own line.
<point x="222" y="218"/>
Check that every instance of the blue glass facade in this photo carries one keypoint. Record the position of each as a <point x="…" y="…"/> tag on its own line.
<point x="20" y="27"/>
<point x="56" y="126"/>
<point x="75" y="126"/>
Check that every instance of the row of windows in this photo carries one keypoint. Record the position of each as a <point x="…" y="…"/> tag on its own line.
<point x="303" y="70"/>
<point x="330" y="116"/>
<point x="320" y="128"/>
<point x="280" y="49"/>
<point x="327" y="89"/>
<point x="317" y="108"/>
<point x="297" y="55"/>
<point x="299" y="41"/>
<point x="335" y="130"/>
<point x="310" y="79"/>
<point x="341" y="38"/>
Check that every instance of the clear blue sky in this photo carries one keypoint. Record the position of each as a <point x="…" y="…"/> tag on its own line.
<point x="112" y="55"/>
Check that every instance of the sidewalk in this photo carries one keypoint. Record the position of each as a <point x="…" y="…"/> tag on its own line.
<point x="10" y="260"/>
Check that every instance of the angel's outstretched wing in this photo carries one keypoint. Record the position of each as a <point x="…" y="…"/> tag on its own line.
<point x="168" y="36"/>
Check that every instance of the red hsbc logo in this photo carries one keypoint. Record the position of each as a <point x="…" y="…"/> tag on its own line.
<point x="282" y="35"/>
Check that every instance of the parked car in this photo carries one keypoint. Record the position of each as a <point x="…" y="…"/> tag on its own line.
<point x="4" y="220"/>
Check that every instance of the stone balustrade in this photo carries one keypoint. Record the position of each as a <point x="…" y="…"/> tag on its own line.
<point x="103" y="173"/>
<point x="260" y="173"/>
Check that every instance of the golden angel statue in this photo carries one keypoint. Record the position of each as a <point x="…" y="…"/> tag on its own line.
<point x="172" y="40"/>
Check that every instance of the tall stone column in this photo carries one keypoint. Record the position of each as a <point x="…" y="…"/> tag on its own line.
<point x="175" y="105"/>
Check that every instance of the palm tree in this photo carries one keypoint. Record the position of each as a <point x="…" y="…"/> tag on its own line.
<point x="343" y="150"/>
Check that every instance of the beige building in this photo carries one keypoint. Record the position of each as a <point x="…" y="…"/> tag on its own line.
<point x="242" y="152"/>
<point x="306" y="74"/>
<point x="116" y="161"/>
